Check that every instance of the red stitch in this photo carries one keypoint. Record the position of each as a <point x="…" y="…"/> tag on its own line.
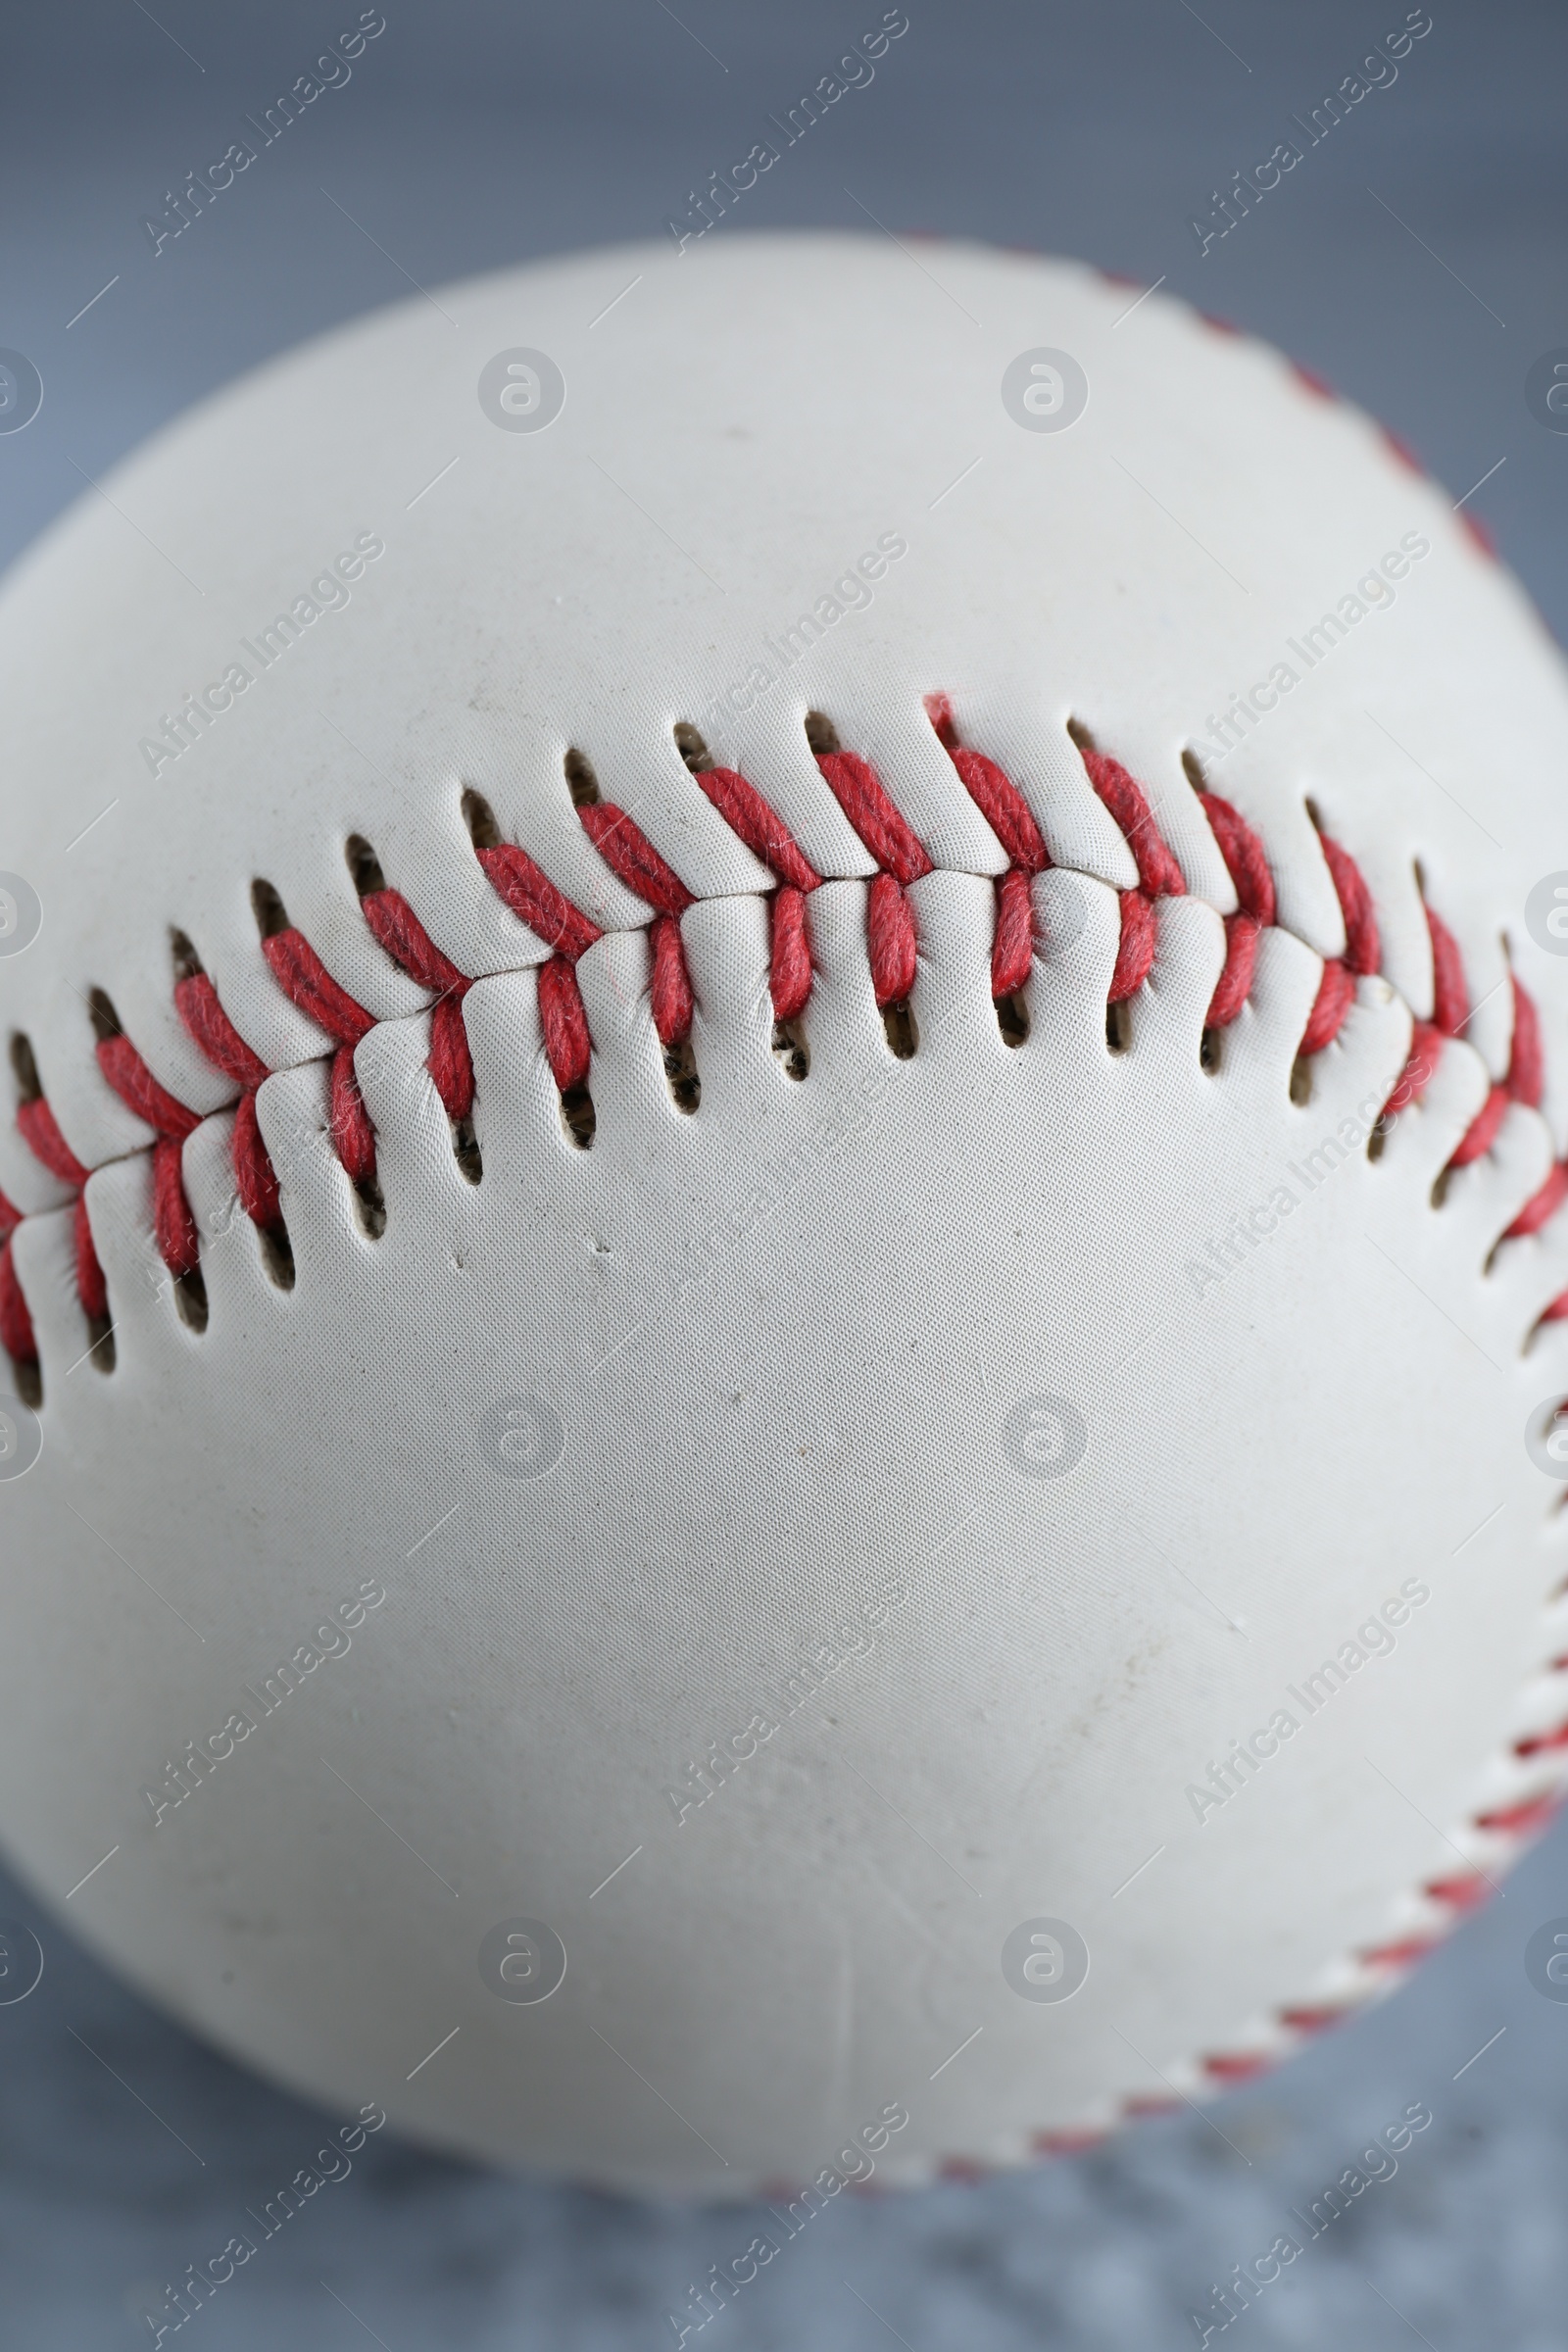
<point x="255" y="1177"/>
<point x="939" y="711"/>
<point x="1135" y="950"/>
<point x="1557" y="1311"/>
<point x="1315" y="2020"/>
<point x="91" y="1288"/>
<point x="790" y="979"/>
<point x="564" y="1023"/>
<point x="353" y="1136"/>
<point x="1362" y="949"/>
<point x="40" y="1132"/>
<point x="632" y="857"/>
<point x="1544" y="1743"/>
<point x="1478" y="532"/>
<point x="1335" y="994"/>
<point x="172" y="1223"/>
<point x="1482" y="1132"/>
<point x="1541" y="1205"/>
<point x="16" y="1336"/>
<point x="1235" y="984"/>
<point x="1526" y="1066"/>
<point x="305" y="981"/>
<point x="9" y="1219"/>
<point x="140" y="1092"/>
<point x="671" y="987"/>
<point x="209" y="1028"/>
<point x="400" y="932"/>
<point x="1238" y="2065"/>
<point x="860" y="793"/>
<point x="1462" y="1894"/>
<point x="1450" y="996"/>
<point x="891" y="940"/>
<point x="760" y="828"/>
<point x="1004" y="810"/>
<point x="535" y="901"/>
<point x="1401" y="1954"/>
<point x="1521" y="1820"/>
<point x="1245" y="858"/>
<point x="1013" y="951"/>
<point x="1400" y="449"/>
<point x="1158" y="874"/>
<point x="1310" y="379"/>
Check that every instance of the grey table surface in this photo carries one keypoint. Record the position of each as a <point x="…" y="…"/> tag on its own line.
<point x="1416" y="258"/>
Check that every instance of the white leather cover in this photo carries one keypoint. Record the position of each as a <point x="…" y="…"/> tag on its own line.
<point x="790" y="1341"/>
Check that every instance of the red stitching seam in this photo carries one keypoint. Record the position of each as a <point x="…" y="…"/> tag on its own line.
<point x="892" y="943"/>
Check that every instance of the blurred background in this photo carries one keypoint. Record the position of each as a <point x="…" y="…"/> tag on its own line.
<point x="1417" y="259"/>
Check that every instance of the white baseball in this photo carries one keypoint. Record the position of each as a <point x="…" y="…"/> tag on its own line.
<point x="758" y="1600"/>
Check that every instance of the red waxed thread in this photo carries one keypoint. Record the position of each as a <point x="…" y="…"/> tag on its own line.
<point x="1245" y="858"/>
<point x="535" y="901"/>
<point x="790" y="978"/>
<point x="761" y="827"/>
<point x="670" y="987"/>
<point x="1236" y="2065"/>
<point x="1158" y="874"/>
<point x="172" y="1223"/>
<point x="1426" y="1050"/>
<point x="1544" y="1743"/>
<point x="1241" y="935"/>
<point x="255" y="1178"/>
<point x="1541" y="1206"/>
<point x="10" y="1218"/>
<point x="1450" y="995"/>
<point x="564" y="1023"/>
<point x="1363" y="948"/>
<point x="859" y="791"/>
<point x="1135" y="950"/>
<point x="140" y="1092"/>
<point x="1335" y="994"/>
<point x="305" y="981"/>
<point x="40" y="1132"/>
<point x="1520" y="1821"/>
<point x="1466" y="1893"/>
<point x="629" y="853"/>
<point x="1004" y="810"/>
<point x="209" y="1028"/>
<point x="1527" y="1073"/>
<point x="16" y="1336"/>
<point x="1557" y="1311"/>
<point x="1315" y="2020"/>
<point x="890" y="939"/>
<point x="399" y="931"/>
<point x="1013" y="951"/>
<point x="91" y="1288"/>
<point x="450" y="1065"/>
<point x="353" y="1136"/>
<point x="939" y="711"/>
<point x="1482" y="1132"/>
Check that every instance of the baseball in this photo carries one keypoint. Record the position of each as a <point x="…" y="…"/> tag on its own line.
<point x="784" y="1294"/>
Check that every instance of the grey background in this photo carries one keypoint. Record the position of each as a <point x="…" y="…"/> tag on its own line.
<point x="471" y="135"/>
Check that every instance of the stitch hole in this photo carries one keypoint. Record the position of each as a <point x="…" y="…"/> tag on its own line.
<point x="105" y="1019"/>
<point x="1440" y="1187"/>
<point x="101" y="1352"/>
<point x="1081" y="735"/>
<point x="793" y="1054"/>
<point x="187" y="963"/>
<point x="680" y="1068"/>
<point x="24" y="1068"/>
<point x="277" y="1254"/>
<point x="369" y="1207"/>
<point x="691" y="747"/>
<point x="1211" y="1051"/>
<point x="898" y="1026"/>
<point x="578" y="1116"/>
<point x="364" y="867"/>
<point x="480" y="819"/>
<point x="465" y="1150"/>
<point x="1119" y="1026"/>
<point x="581" y="782"/>
<point x="28" y="1379"/>
<point x="1301" y="1081"/>
<point x="822" y="737"/>
<point x="190" y="1300"/>
<point x="271" y="918"/>
<point x="1012" y="1018"/>
<point x="1191" y="768"/>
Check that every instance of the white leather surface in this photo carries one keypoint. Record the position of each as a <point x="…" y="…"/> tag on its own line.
<point x="783" y="1336"/>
